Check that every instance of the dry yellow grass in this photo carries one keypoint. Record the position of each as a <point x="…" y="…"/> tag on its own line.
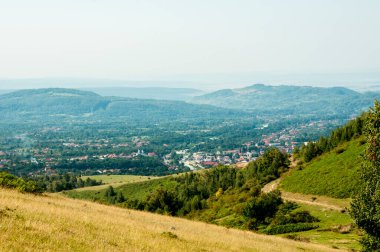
<point x="55" y="223"/>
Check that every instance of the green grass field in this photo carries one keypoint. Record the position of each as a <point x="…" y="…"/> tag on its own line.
<point x="336" y="229"/>
<point x="333" y="174"/>
<point x="114" y="180"/>
<point x="111" y="179"/>
<point x="137" y="190"/>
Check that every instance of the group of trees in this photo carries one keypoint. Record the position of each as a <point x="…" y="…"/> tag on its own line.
<point x="194" y="189"/>
<point x="22" y="185"/>
<point x="200" y="194"/>
<point x="62" y="182"/>
<point x="141" y="165"/>
<point x="365" y="208"/>
<point x="39" y="184"/>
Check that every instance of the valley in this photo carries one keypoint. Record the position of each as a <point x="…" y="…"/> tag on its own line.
<point x="90" y="134"/>
<point x="287" y="176"/>
<point x="177" y="126"/>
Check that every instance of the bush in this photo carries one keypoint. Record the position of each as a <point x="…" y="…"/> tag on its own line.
<point x="264" y="206"/>
<point x="340" y="150"/>
<point x="12" y="182"/>
<point x="289" y="228"/>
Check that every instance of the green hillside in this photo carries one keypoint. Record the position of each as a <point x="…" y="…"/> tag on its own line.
<point x="135" y="190"/>
<point x="58" y="103"/>
<point x="335" y="173"/>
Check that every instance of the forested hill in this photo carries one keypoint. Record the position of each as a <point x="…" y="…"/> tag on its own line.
<point x="57" y="103"/>
<point x="158" y="93"/>
<point x="291" y="99"/>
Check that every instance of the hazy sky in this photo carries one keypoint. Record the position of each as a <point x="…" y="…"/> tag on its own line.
<point x="196" y="41"/>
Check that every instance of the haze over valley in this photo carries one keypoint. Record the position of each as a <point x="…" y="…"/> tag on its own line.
<point x="189" y="125"/>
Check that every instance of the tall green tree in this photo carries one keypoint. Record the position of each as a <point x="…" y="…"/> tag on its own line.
<point x="365" y="208"/>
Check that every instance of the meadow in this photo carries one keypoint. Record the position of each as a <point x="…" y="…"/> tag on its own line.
<point x="114" y="180"/>
<point x="53" y="222"/>
<point x="334" y="174"/>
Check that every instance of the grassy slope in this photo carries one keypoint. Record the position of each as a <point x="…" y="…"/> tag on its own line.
<point x="56" y="223"/>
<point x="221" y="212"/>
<point x="114" y="180"/>
<point x="332" y="174"/>
<point x="327" y="232"/>
<point x="136" y="190"/>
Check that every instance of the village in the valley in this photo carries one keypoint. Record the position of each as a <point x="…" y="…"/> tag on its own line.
<point x="47" y="159"/>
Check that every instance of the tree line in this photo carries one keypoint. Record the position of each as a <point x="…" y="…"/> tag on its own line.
<point x="205" y="195"/>
<point x="351" y="130"/>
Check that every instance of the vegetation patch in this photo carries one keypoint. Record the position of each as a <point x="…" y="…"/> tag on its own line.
<point x="12" y="182"/>
<point x="169" y="235"/>
<point x="333" y="174"/>
<point x="223" y="195"/>
<point x="289" y="228"/>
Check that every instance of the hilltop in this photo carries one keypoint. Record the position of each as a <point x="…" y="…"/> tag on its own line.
<point x="52" y="103"/>
<point x="52" y="222"/>
<point x="290" y="99"/>
<point x="158" y="93"/>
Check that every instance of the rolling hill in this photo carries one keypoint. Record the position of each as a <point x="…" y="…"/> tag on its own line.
<point x="52" y="222"/>
<point x="52" y="103"/>
<point x="290" y="100"/>
<point x="334" y="174"/>
<point x="158" y="93"/>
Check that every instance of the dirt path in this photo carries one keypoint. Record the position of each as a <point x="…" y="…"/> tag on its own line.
<point x="315" y="200"/>
<point x="271" y="186"/>
<point x="321" y="201"/>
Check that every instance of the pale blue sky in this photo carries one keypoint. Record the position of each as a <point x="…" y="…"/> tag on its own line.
<point x="193" y="41"/>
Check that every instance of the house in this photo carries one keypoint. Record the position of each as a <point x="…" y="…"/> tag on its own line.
<point x="209" y="164"/>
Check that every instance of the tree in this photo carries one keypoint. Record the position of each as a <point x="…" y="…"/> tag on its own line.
<point x="365" y="208"/>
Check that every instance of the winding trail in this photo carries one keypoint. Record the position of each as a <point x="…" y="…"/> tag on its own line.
<point x="315" y="200"/>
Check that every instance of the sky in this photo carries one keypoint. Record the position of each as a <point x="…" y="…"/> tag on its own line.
<point x="193" y="43"/>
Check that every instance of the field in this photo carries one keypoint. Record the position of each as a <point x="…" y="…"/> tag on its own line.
<point x="333" y="174"/>
<point x="335" y="229"/>
<point x="131" y="190"/>
<point x="53" y="222"/>
<point x="114" y="180"/>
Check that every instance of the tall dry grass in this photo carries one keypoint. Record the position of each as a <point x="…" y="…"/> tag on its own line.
<point x="55" y="223"/>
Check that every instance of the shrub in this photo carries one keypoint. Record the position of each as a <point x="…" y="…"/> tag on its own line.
<point x="264" y="206"/>
<point x="340" y="150"/>
<point x="297" y="238"/>
<point x="289" y="228"/>
<point x="10" y="181"/>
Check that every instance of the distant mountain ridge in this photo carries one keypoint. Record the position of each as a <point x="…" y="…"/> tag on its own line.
<point x="290" y="99"/>
<point x="257" y="99"/>
<point x="157" y="93"/>
<point x="57" y="102"/>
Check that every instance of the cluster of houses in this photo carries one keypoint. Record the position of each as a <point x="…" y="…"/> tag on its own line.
<point x="284" y="140"/>
<point x="115" y="156"/>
